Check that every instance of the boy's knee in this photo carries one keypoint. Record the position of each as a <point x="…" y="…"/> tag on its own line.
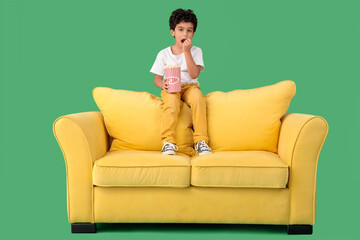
<point x="170" y="96"/>
<point x="172" y="101"/>
<point x="197" y="99"/>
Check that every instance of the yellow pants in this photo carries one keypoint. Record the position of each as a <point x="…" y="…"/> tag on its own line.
<point x="192" y="96"/>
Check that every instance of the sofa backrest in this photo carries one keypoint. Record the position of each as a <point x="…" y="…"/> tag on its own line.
<point x="133" y="120"/>
<point x="237" y="120"/>
<point x="248" y="119"/>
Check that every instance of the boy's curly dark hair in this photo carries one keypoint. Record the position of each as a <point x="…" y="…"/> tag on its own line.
<point x="180" y="15"/>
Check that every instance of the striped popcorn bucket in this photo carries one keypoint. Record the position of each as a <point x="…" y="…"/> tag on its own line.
<point x="173" y="76"/>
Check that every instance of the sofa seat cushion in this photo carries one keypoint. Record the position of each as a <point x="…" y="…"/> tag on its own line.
<point x="136" y="168"/>
<point x="248" y="169"/>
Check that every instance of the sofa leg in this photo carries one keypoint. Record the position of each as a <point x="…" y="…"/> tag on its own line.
<point x="299" y="229"/>
<point x="85" y="227"/>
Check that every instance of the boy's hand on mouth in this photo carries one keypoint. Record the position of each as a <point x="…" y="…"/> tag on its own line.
<point x="187" y="44"/>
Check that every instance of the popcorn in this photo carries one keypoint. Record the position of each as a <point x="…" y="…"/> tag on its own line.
<point x="173" y="77"/>
<point x="172" y="66"/>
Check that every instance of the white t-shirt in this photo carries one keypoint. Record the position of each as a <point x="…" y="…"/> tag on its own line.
<point x="165" y="57"/>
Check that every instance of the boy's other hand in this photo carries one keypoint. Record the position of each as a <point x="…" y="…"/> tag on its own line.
<point x="187" y="45"/>
<point x="165" y="85"/>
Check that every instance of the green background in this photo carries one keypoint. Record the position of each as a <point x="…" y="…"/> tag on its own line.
<point x="53" y="53"/>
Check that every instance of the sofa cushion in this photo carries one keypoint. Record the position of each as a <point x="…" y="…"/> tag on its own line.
<point x="250" y="169"/>
<point x="135" y="168"/>
<point x="248" y="119"/>
<point x="133" y="120"/>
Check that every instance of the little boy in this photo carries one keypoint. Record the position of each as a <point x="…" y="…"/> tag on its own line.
<point x="182" y="27"/>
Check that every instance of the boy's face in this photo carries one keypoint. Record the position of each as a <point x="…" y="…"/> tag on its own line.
<point x="182" y="31"/>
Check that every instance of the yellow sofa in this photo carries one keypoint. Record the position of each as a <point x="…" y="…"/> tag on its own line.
<point x="262" y="169"/>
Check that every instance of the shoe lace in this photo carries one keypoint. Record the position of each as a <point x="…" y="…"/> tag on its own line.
<point x="169" y="145"/>
<point x="202" y="145"/>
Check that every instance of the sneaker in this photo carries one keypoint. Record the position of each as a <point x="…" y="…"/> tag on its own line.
<point x="168" y="148"/>
<point x="202" y="148"/>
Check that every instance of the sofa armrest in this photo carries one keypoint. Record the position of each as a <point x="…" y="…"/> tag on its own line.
<point x="82" y="138"/>
<point x="300" y="141"/>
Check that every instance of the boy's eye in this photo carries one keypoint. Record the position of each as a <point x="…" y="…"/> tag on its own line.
<point x="181" y="30"/>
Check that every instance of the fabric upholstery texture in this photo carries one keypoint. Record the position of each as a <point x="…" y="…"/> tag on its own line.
<point x="251" y="169"/>
<point x="248" y="119"/>
<point x="133" y="120"/>
<point x="83" y="139"/>
<point x="262" y="169"/>
<point x="142" y="169"/>
<point x="301" y="139"/>
<point x="192" y="205"/>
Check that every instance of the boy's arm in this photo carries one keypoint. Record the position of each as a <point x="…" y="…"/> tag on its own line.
<point x="158" y="80"/>
<point x="159" y="83"/>
<point x="193" y="69"/>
